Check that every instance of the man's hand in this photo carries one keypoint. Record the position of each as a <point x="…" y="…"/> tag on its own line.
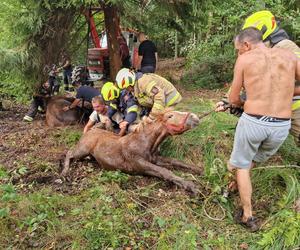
<point x="66" y="108"/>
<point x="123" y="125"/>
<point x="221" y="106"/>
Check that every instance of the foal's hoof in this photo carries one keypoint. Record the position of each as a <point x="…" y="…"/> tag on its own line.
<point x="64" y="172"/>
<point x="191" y="187"/>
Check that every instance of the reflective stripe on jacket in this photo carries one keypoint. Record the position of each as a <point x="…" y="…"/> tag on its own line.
<point x="296" y="105"/>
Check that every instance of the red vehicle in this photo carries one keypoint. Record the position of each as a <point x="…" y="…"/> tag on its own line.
<point x="98" y="57"/>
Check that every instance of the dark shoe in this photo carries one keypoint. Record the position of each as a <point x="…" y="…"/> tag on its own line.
<point x="252" y="223"/>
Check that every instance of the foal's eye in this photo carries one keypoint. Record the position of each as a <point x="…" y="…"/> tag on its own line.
<point x="170" y="116"/>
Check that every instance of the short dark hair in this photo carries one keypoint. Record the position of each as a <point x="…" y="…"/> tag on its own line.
<point x="250" y="34"/>
<point x="98" y="99"/>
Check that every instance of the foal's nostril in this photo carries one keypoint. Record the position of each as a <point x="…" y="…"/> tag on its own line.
<point x="193" y="120"/>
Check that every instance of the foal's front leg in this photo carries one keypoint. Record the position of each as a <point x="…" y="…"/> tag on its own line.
<point x="80" y="151"/>
<point x="177" y="164"/>
<point x="149" y="168"/>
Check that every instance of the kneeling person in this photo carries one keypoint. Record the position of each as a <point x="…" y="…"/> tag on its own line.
<point x="123" y="107"/>
<point x="38" y="101"/>
<point x="151" y="91"/>
<point x="84" y="94"/>
<point x="99" y="115"/>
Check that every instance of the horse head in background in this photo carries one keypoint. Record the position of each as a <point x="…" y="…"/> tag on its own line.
<point x="57" y="117"/>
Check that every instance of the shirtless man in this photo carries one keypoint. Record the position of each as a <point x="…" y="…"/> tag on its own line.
<point x="268" y="77"/>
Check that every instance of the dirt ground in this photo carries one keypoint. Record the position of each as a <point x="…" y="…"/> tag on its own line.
<point x="42" y="149"/>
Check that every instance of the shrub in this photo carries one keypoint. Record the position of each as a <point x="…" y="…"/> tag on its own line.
<point x="209" y="73"/>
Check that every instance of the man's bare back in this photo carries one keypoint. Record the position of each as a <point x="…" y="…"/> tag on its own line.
<point x="269" y="80"/>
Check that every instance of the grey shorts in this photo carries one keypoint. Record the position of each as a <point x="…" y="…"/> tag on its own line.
<point x="257" y="140"/>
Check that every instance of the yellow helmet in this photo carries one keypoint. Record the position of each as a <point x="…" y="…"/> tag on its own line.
<point x="109" y="91"/>
<point x="125" y="78"/>
<point x="263" y="20"/>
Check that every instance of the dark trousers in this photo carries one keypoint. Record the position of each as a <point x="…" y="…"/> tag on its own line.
<point x="54" y="84"/>
<point x="35" y="104"/>
<point x="67" y="76"/>
<point x="148" y="69"/>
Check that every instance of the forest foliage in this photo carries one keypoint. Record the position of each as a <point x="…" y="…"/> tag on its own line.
<point x="34" y="33"/>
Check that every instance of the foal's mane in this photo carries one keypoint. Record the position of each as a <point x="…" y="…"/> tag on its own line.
<point x="158" y="118"/>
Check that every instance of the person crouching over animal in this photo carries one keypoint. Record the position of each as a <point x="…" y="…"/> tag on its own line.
<point x="99" y="116"/>
<point x="123" y="107"/>
<point x="151" y="91"/>
<point x="38" y="101"/>
<point x="84" y="93"/>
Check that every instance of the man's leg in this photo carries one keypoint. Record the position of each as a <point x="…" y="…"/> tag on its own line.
<point x="66" y="80"/>
<point x="32" y="110"/>
<point x="243" y="179"/>
<point x="245" y="191"/>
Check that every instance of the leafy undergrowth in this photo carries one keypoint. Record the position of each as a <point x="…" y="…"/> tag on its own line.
<point x="97" y="209"/>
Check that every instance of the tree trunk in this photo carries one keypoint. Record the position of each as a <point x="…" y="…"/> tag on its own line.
<point x="113" y="31"/>
<point x="51" y="40"/>
<point x="176" y="45"/>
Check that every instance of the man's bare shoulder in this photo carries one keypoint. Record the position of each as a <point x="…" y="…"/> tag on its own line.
<point x="248" y="57"/>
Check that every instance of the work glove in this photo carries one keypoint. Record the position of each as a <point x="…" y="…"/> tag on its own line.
<point x="236" y="111"/>
<point x="224" y="105"/>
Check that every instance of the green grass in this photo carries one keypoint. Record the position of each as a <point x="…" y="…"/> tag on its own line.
<point x="116" y="210"/>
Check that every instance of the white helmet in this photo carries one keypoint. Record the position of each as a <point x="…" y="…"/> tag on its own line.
<point x="125" y="78"/>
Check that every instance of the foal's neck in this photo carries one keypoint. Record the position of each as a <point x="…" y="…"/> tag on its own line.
<point x="152" y="135"/>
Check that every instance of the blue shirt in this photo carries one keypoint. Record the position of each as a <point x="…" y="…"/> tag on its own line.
<point x="87" y="93"/>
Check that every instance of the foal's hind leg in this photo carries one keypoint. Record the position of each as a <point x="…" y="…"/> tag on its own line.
<point x="149" y="168"/>
<point x="80" y="151"/>
<point x="177" y="164"/>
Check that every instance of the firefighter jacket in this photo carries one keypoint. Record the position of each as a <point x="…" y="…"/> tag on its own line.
<point x="156" y="92"/>
<point x="126" y="104"/>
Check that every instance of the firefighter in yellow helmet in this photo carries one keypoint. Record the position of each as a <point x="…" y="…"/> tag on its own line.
<point x="152" y="91"/>
<point x="122" y="109"/>
<point x="273" y="36"/>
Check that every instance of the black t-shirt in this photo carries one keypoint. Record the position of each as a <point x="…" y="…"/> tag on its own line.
<point x="147" y="49"/>
<point x="87" y="93"/>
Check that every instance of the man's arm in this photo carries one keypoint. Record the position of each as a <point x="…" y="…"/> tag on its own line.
<point x="88" y="126"/>
<point x="67" y="63"/>
<point x="131" y="115"/>
<point x="140" y="58"/>
<point x="237" y="83"/>
<point x="73" y="105"/>
<point x="159" y="99"/>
